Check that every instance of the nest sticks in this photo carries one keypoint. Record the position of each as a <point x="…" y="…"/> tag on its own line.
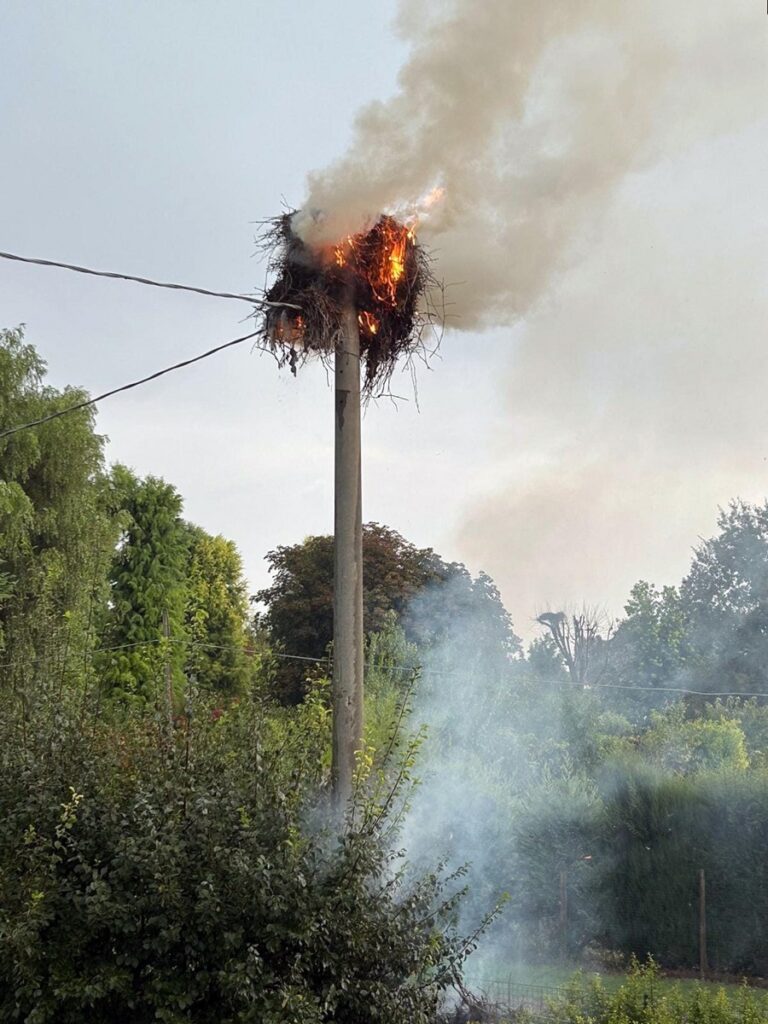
<point x="383" y="273"/>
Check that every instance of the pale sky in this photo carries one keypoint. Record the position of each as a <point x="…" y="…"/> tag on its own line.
<point x="148" y="136"/>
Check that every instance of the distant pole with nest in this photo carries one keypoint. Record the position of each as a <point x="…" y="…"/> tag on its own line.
<point x="348" y="660"/>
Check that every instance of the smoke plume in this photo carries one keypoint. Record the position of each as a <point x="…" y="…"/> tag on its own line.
<point x="528" y="115"/>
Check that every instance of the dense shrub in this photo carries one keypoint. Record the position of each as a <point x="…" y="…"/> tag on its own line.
<point x="555" y="844"/>
<point x="658" y="831"/>
<point x="628" y="853"/>
<point x="642" y="1000"/>
<point x="148" y="877"/>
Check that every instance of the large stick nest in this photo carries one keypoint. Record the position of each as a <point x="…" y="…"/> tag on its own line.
<point x="383" y="273"/>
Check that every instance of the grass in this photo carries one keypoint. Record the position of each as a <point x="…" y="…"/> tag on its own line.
<point x="557" y="975"/>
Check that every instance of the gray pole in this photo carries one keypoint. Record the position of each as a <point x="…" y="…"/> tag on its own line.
<point x="348" y="564"/>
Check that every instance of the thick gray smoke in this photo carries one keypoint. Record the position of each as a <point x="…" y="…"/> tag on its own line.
<point x="528" y="114"/>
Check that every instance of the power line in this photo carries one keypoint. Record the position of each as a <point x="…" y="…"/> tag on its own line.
<point x="145" y="280"/>
<point x="673" y="689"/>
<point x="126" y="387"/>
<point x="423" y="673"/>
<point x="175" y="640"/>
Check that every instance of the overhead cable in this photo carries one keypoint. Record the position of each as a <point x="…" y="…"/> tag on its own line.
<point x="145" y="280"/>
<point x="125" y="387"/>
<point x="422" y="673"/>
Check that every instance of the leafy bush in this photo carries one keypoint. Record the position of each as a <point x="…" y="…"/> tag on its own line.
<point x="642" y="1000"/>
<point x="686" y="745"/>
<point x="191" y="877"/>
<point x="658" y="831"/>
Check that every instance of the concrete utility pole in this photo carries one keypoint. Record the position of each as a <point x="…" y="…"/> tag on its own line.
<point x="348" y="564"/>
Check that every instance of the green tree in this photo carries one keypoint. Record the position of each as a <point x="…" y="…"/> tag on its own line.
<point x="428" y="595"/>
<point x="56" y="534"/>
<point x="147" y="591"/>
<point x="651" y="647"/>
<point x="216" y="613"/>
<point x="299" y="603"/>
<point x="725" y="596"/>
<point x="654" y="634"/>
<point x="544" y="662"/>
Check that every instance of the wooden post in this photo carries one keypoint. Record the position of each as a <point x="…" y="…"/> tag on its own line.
<point x="347" y="691"/>
<point x="564" y="915"/>
<point x="703" y="965"/>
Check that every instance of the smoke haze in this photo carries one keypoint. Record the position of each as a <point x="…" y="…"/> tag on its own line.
<point x="529" y="115"/>
<point x="635" y="400"/>
<point x="603" y="165"/>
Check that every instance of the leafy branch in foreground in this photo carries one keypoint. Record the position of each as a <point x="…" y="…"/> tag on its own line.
<point x="150" y="877"/>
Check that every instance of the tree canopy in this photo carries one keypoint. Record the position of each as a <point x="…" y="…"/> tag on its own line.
<point x="56" y="531"/>
<point x="428" y="594"/>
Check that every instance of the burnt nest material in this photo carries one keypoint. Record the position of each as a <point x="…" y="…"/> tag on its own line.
<point x="384" y="273"/>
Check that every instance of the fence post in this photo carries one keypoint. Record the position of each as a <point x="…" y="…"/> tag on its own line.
<point x="564" y="915"/>
<point x="703" y="966"/>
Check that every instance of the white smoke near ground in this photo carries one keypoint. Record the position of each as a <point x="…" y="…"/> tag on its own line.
<point x="528" y="115"/>
<point x="472" y="761"/>
<point x="491" y="736"/>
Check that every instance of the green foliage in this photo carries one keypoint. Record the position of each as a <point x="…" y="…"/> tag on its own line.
<point x="146" y="876"/>
<point x="396" y="577"/>
<point x="556" y="854"/>
<point x="545" y="664"/>
<point x="658" y="832"/>
<point x="630" y="816"/>
<point x="641" y="999"/>
<point x="299" y="602"/>
<point x="216" y="614"/>
<point x="55" y="533"/>
<point x="392" y="665"/>
<point x="684" y="745"/>
<point x="614" y="787"/>
<point x="652" y="644"/>
<point x="147" y="590"/>
<point x="726" y="597"/>
<point x="752" y="718"/>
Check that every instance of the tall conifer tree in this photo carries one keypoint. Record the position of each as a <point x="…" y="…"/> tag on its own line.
<point x="147" y="590"/>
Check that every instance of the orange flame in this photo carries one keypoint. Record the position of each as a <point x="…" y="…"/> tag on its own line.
<point x="388" y="266"/>
<point x="368" y="322"/>
<point x="391" y="265"/>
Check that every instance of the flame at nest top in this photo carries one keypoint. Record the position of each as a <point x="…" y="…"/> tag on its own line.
<point x="378" y="258"/>
<point x="383" y="272"/>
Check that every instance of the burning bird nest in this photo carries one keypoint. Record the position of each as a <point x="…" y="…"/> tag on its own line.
<point x="383" y="274"/>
